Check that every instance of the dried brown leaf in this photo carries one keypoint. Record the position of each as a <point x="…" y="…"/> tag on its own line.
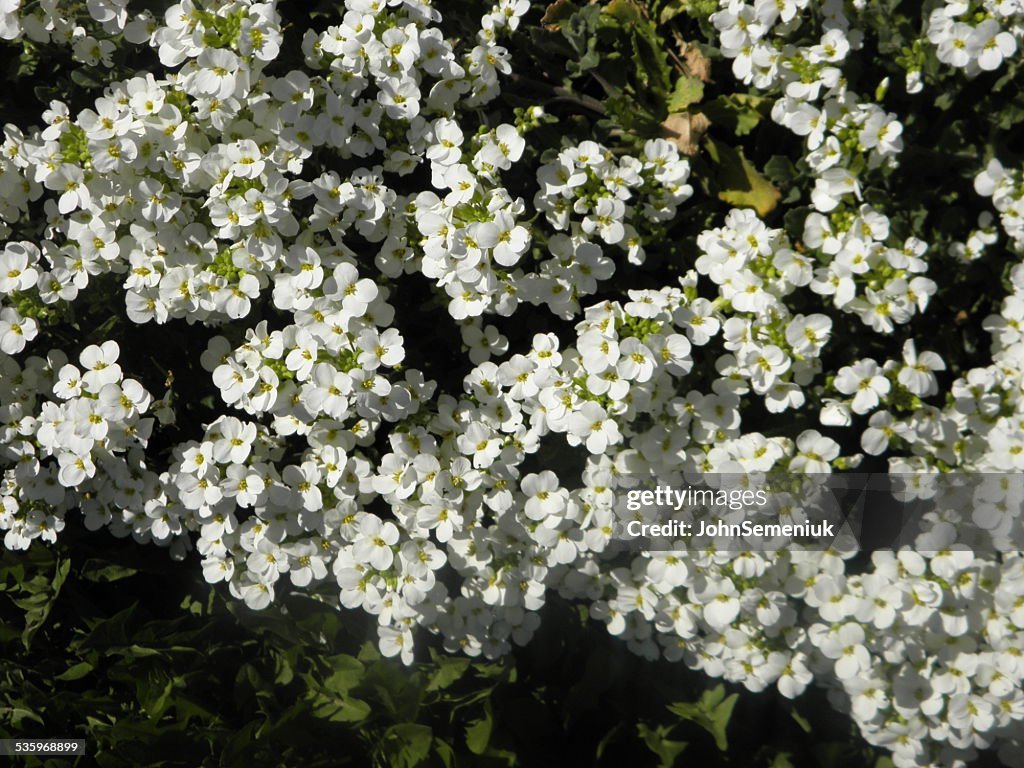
<point x="685" y="131"/>
<point x="556" y="13"/>
<point x="697" y="64"/>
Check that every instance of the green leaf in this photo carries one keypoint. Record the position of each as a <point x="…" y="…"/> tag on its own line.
<point x="353" y="710"/>
<point x="626" y="12"/>
<point x="187" y="709"/>
<point x="712" y="698"/>
<point x="833" y="753"/>
<point x="338" y="709"/>
<point x="802" y="721"/>
<point x="102" y="571"/>
<point x="667" y="751"/>
<point x="712" y="713"/>
<point x="348" y="672"/>
<point x="739" y="182"/>
<point x="794" y="220"/>
<point x="284" y="669"/>
<point x="688" y="90"/>
<point x="445" y="752"/>
<point x="368" y="652"/>
<point x="136" y="651"/>
<point x="671" y="10"/>
<point x="737" y="112"/>
<point x="945" y="100"/>
<point x="395" y="690"/>
<point x="330" y="698"/>
<point x="720" y="721"/>
<point x="76" y="671"/>
<point x="650" y="59"/>
<point x="449" y="670"/>
<point x="580" y="28"/>
<point x="158" y="705"/>
<point x="606" y="740"/>
<point x="782" y="760"/>
<point x="407" y="744"/>
<point x="478" y="733"/>
<point x="16" y="715"/>
<point x="28" y="60"/>
<point x="42" y="593"/>
<point x="587" y="61"/>
<point x="84" y="78"/>
<point x="780" y="169"/>
<point x="61" y="575"/>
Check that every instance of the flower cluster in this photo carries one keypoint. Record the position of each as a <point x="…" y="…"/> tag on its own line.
<point x="80" y="447"/>
<point x="976" y="36"/>
<point x="1006" y="188"/>
<point x="295" y="211"/>
<point x="845" y="137"/>
<point x="844" y="134"/>
<point x="586" y="181"/>
<point x="86" y="28"/>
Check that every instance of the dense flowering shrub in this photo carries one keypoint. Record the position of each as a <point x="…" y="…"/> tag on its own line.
<point x="289" y="211"/>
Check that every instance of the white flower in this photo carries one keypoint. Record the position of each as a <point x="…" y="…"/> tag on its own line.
<point x="256" y="594"/>
<point x="15" y="331"/>
<point x="234" y="441"/>
<point x="990" y="44"/>
<point x="17" y="267"/>
<point x="590" y="424"/>
<point x="807" y="334"/>
<point x="396" y="642"/>
<point x="606" y="220"/>
<point x="814" y="452"/>
<point x="599" y="352"/>
<point x="446" y="149"/>
<point x="380" y="349"/>
<point x="865" y="382"/>
<point x="100" y="365"/>
<point x="218" y="73"/>
<point x="847" y="648"/>
<point x="546" y="501"/>
<point x="721" y="604"/>
<point x="69" y="180"/>
<point x="462" y="183"/>
<point x="354" y="293"/>
<point x="953" y="45"/>
<point x="327" y="391"/>
<point x="917" y="372"/>
<point x="374" y="543"/>
<point x="512" y="240"/>
<point x="795" y="677"/>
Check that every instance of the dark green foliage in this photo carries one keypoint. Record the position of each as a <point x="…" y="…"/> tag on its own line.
<point x="134" y="653"/>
